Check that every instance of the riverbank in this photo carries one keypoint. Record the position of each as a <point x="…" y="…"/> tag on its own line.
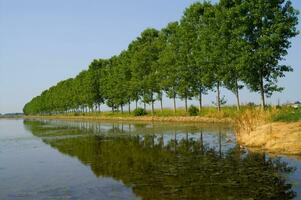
<point x="196" y="119"/>
<point x="278" y="137"/>
<point x="207" y="115"/>
<point x="278" y="132"/>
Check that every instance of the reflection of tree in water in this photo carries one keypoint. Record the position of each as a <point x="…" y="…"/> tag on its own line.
<point x="181" y="169"/>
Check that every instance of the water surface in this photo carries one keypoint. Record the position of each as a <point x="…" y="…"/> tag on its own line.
<point x="90" y="160"/>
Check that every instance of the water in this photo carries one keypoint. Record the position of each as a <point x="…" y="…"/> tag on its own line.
<point x="89" y="160"/>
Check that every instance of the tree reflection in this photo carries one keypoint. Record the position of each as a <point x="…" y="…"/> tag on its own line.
<point x="177" y="168"/>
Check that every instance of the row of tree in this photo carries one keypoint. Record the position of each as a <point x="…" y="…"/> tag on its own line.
<point x="231" y="44"/>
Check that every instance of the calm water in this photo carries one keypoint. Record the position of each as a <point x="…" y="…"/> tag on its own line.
<point x="87" y="160"/>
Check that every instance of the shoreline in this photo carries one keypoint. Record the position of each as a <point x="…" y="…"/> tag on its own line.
<point x="191" y="119"/>
<point x="273" y="137"/>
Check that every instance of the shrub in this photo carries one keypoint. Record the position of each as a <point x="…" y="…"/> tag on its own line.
<point x="140" y="112"/>
<point x="193" y="111"/>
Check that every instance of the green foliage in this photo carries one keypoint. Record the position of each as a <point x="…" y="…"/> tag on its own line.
<point x="288" y="115"/>
<point x="193" y="111"/>
<point x="140" y="112"/>
<point x="230" y="44"/>
<point x="269" y="29"/>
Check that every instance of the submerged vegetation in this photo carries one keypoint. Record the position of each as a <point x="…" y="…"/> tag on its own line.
<point x="231" y="44"/>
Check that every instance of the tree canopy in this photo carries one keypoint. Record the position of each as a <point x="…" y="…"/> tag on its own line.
<point x="231" y="44"/>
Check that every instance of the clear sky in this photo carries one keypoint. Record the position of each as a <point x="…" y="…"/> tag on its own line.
<point x="43" y="42"/>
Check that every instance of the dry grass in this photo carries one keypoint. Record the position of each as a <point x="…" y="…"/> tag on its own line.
<point x="279" y="137"/>
<point x="248" y="120"/>
<point x="254" y="128"/>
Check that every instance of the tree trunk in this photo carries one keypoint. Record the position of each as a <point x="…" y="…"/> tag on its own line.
<point x="186" y="108"/>
<point x="262" y="93"/>
<point x="153" y="108"/>
<point x="237" y="95"/>
<point x="129" y="107"/>
<point x="136" y="103"/>
<point x="121" y="106"/>
<point x="200" y="100"/>
<point x="174" y="104"/>
<point x="161" y="104"/>
<point x="218" y="98"/>
<point x="144" y="101"/>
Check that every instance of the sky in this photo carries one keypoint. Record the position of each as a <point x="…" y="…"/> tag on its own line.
<point x="44" y="42"/>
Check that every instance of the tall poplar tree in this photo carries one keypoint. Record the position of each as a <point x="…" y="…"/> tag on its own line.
<point x="271" y="25"/>
<point x="168" y="61"/>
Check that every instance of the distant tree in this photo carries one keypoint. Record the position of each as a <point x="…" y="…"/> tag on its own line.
<point x="126" y="77"/>
<point x="94" y="76"/>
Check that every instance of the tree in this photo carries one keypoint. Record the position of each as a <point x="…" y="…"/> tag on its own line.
<point x="212" y="48"/>
<point x="271" y="25"/>
<point x="191" y="24"/>
<point x="144" y="65"/>
<point x="232" y="30"/>
<point x="94" y="77"/>
<point x="168" y="61"/>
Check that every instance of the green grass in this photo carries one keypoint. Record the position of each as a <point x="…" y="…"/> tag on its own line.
<point x="287" y="115"/>
<point x="283" y="114"/>
<point x="211" y="112"/>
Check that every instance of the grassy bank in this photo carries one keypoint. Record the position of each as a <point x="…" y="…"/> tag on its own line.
<point x="207" y="115"/>
<point x="274" y="130"/>
<point x="287" y="114"/>
<point x="247" y="118"/>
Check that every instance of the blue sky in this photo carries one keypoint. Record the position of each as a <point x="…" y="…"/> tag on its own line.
<point x="43" y="42"/>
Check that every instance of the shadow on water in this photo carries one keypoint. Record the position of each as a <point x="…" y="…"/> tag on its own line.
<point x="169" y="161"/>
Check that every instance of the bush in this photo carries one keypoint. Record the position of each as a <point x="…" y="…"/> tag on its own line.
<point x="193" y="111"/>
<point x="140" y="112"/>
